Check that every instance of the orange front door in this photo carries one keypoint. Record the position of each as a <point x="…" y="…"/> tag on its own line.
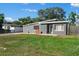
<point x="36" y="28"/>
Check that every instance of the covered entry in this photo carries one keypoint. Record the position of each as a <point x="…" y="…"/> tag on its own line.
<point x="36" y="29"/>
<point x="49" y="28"/>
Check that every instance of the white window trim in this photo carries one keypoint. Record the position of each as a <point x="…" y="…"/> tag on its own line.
<point x="59" y="26"/>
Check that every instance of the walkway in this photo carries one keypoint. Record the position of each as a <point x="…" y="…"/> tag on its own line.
<point x="6" y="34"/>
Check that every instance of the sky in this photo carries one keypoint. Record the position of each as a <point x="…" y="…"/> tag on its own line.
<point x="13" y="11"/>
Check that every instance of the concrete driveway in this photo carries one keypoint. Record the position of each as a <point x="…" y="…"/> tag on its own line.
<point x="6" y="34"/>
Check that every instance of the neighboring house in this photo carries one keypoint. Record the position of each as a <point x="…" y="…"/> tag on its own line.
<point x="47" y="27"/>
<point x="12" y="28"/>
<point x="16" y="29"/>
<point x="6" y="26"/>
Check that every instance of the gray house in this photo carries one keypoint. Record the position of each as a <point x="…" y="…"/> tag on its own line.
<point x="47" y="27"/>
<point x="12" y="28"/>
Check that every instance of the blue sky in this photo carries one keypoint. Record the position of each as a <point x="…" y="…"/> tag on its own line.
<point x="13" y="11"/>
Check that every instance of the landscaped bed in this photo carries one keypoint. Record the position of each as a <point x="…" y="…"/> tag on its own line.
<point x="39" y="45"/>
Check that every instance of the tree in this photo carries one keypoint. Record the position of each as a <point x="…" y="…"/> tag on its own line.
<point x="42" y="14"/>
<point x="51" y="13"/>
<point x="37" y="19"/>
<point x="25" y="20"/>
<point x="72" y="17"/>
<point x="16" y="23"/>
<point x="1" y="20"/>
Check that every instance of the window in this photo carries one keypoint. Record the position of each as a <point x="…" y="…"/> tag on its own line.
<point x="36" y="27"/>
<point x="59" y="27"/>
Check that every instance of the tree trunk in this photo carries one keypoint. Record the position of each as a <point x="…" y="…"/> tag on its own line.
<point x="0" y="28"/>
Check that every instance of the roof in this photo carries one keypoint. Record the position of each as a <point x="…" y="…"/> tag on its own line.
<point x="51" y="21"/>
<point x="12" y="25"/>
<point x="6" y="24"/>
<point x="31" y="24"/>
<point x="54" y="22"/>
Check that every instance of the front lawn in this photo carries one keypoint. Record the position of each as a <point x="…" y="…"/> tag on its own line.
<point x="19" y="45"/>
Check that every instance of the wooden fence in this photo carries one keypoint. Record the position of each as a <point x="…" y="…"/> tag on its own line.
<point x="74" y="30"/>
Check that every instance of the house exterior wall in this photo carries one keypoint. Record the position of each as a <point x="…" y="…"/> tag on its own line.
<point x="12" y="29"/>
<point x="18" y="29"/>
<point x="43" y="29"/>
<point x="7" y="27"/>
<point x="25" y="28"/>
<point x="28" y="28"/>
<point x="60" y="32"/>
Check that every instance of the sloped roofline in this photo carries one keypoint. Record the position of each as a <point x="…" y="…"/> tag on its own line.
<point x="48" y="21"/>
<point x="53" y="22"/>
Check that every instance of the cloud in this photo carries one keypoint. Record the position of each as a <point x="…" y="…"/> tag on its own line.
<point x="42" y="3"/>
<point x="75" y="4"/>
<point x="34" y="3"/>
<point x="24" y="3"/>
<point x="9" y="19"/>
<point x="30" y="10"/>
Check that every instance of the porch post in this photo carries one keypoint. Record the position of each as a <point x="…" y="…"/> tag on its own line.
<point x="52" y="29"/>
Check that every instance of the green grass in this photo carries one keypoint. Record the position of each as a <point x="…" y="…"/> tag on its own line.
<point x="25" y="45"/>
